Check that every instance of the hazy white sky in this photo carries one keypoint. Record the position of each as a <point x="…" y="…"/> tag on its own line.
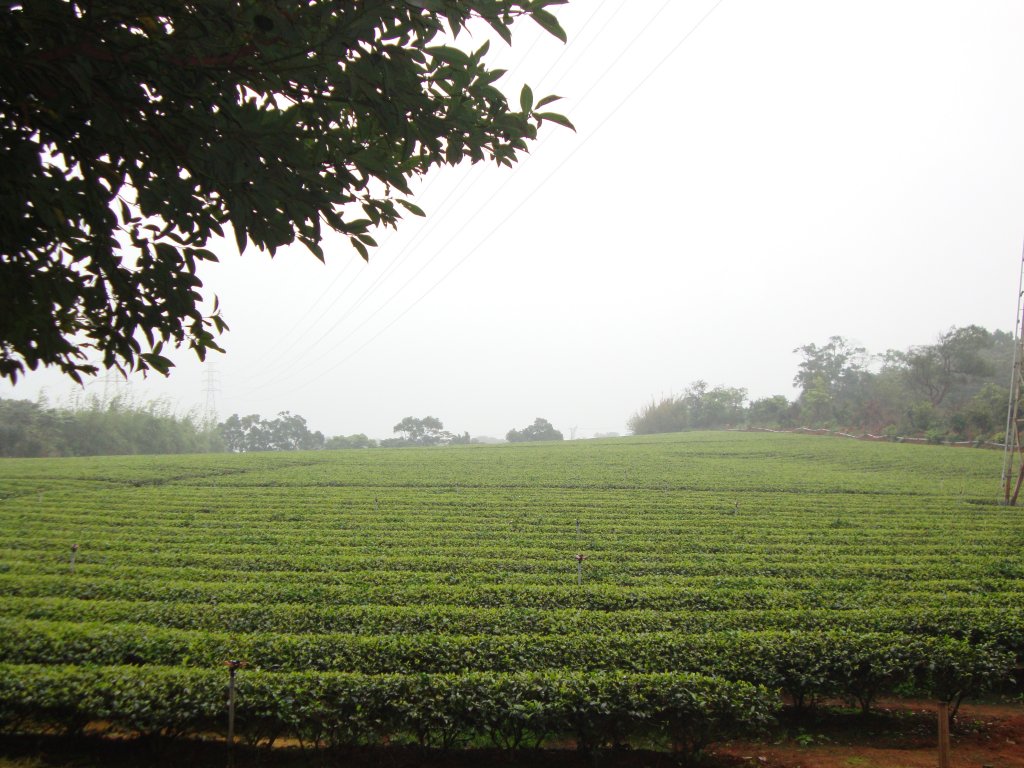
<point x="747" y="177"/>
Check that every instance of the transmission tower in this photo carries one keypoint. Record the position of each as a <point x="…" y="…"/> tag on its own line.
<point x="211" y="386"/>
<point x="1013" y="452"/>
<point x="114" y="385"/>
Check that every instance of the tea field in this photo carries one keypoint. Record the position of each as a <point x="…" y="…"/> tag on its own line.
<point x="669" y="590"/>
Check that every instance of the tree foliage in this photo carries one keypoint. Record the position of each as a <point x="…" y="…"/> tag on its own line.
<point x="288" y="432"/>
<point x="412" y="431"/>
<point x="934" y="370"/>
<point x="954" y="388"/>
<point x="349" y="442"/>
<point x="540" y="430"/>
<point x="101" y="427"/>
<point x="697" y="408"/>
<point x="132" y="133"/>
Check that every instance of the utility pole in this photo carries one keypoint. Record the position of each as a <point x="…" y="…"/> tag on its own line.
<point x="1013" y="451"/>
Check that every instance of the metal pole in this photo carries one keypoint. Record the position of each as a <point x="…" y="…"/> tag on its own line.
<point x="233" y="666"/>
<point x="1011" y="438"/>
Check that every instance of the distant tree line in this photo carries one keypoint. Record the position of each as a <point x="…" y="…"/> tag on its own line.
<point x="289" y="432"/>
<point x="97" y="426"/>
<point x="119" y="425"/>
<point x="956" y="388"/>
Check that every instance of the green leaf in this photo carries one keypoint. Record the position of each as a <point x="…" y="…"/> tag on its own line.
<point x="241" y="239"/>
<point x="167" y="253"/>
<point x="547" y="100"/>
<point x="157" y="362"/>
<point x="449" y="55"/>
<point x="526" y="99"/>
<point x="554" y="117"/>
<point x="411" y="207"/>
<point x="502" y="29"/>
<point x="549" y="23"/>
<point x="361" y="248"/>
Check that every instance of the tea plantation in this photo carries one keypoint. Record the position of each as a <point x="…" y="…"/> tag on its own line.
<point x="667" y="590"/>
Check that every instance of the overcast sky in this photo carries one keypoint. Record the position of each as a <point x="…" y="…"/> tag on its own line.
<point x="747" y="177"/>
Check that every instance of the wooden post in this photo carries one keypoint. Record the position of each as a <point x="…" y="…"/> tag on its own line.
<point x="943" y="734"/>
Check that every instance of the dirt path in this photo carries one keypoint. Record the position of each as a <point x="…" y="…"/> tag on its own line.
<point x="902" y="735"/>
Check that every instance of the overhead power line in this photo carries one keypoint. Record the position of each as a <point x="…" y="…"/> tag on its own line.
<point x="511" y="213"/>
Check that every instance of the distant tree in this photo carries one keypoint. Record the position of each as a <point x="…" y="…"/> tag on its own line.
<point x="540" y="430"/>
<point x="289" y="432"/>
<point x="697" y="408"/>
<point x="987" y="410"/>
<point x="27" y="429"/>
<point x="831" y="378"/>
<point x="343" y="442"/>
<point x="134" y="133"/>
<point x="669" y="414"/>
<point x="933" y="371"/>
<point x="829" y="366"/>
<point x="251" y="433"/>
<point x="774" y="411"/>
<point x="717" y="407"/>
<point x="232" y="433"/>
<point x="425" y="431"/>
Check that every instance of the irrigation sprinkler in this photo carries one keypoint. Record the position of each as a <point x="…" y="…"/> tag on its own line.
<point x="74" y="552"/>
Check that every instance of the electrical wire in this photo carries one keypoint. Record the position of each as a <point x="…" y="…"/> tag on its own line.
<point x="508" y="216"/>
<point x="435" y="220"/>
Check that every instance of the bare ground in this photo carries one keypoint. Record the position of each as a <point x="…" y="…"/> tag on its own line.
<point x="899" y="734"/>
